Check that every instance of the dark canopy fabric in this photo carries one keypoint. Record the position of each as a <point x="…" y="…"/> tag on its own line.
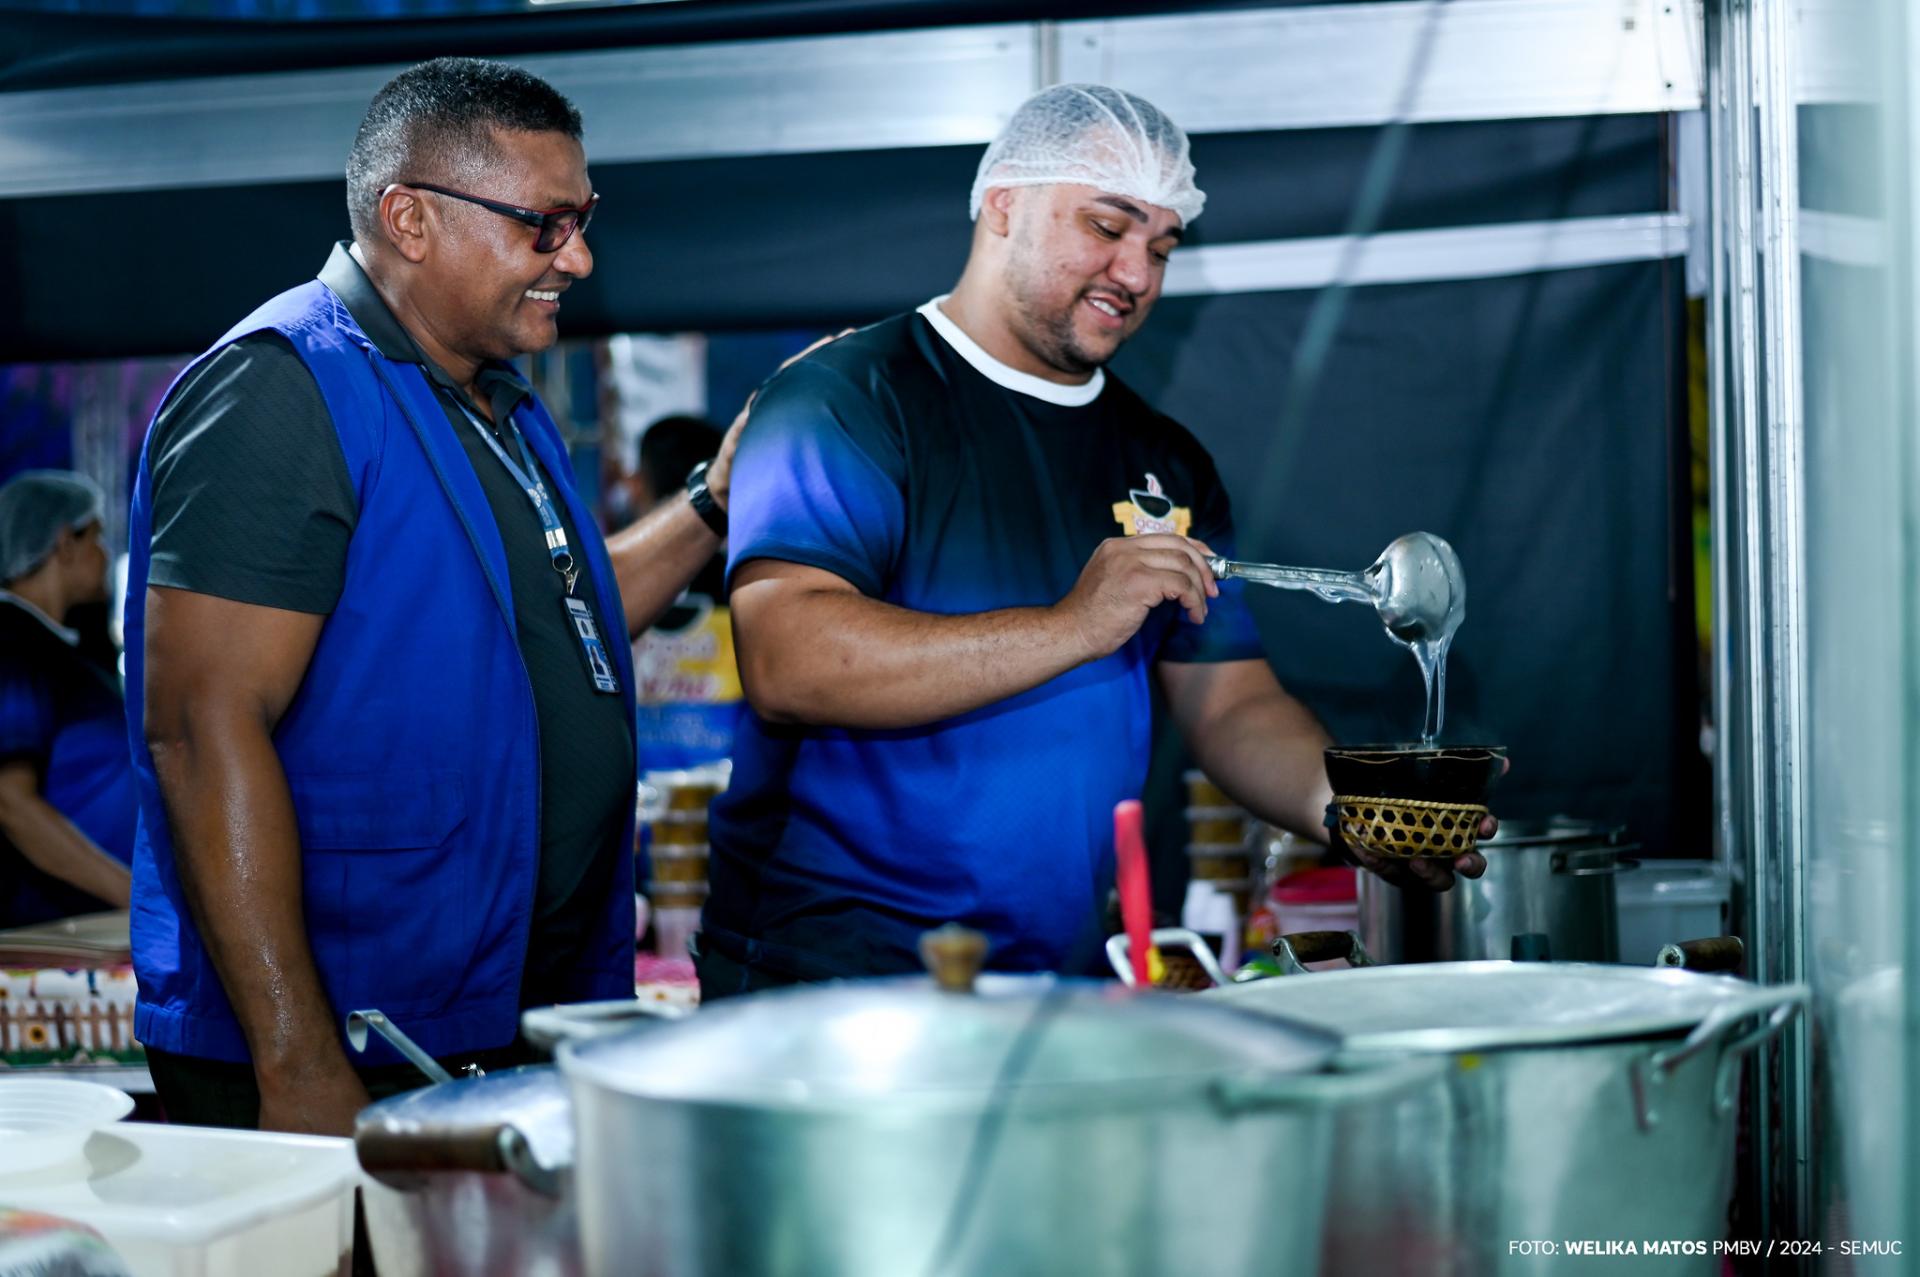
<point x="1529" y="420"/>
<point x="765" y="242"/>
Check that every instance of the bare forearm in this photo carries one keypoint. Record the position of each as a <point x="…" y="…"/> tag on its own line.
<point x="654" y="559"/>
<point x="832" y="658"/>
<point x="52" y="844"/>
<point x="237" y="850"/>
<point x="1266" y="753"/>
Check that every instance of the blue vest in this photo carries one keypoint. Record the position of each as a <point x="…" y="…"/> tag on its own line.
<point x="411" y="748"/>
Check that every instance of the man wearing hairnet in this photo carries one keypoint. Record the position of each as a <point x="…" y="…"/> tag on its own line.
<point x="960" y="550"/>
<point x="67" y="800"/>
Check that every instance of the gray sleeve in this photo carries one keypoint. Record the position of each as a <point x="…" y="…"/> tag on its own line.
<point x="251" y="496"/>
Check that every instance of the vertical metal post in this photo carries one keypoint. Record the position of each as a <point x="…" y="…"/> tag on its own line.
<point x="1727" y="400"/>
<point x="1759" y="667"/>
<point x="1784" y="957"/>
<point x="1046" y="55"/>
<point x="1900" y="147"/>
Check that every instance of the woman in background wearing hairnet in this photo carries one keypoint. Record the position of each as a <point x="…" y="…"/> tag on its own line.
<point x="67" y="804"/>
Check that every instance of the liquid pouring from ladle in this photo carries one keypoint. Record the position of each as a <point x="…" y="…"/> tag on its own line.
<point x="1417" y="587"/>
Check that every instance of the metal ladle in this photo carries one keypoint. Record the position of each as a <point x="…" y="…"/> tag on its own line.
<point x="358" y="1022"/>
<point x="1416" y="585"/>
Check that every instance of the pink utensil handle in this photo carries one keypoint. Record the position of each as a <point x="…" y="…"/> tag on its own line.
<point x="1136" y="889"/>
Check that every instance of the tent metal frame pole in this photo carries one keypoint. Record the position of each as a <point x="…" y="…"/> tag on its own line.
<point x="1345" y="65"/>
<point x="1759" y="559"/>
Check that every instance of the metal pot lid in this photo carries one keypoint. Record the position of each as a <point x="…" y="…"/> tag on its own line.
<point x="904" y="1044"/>
<point x="1560" y="831"/>
<point x="1483" y="1006"/>
<point x="547" y="1027"/>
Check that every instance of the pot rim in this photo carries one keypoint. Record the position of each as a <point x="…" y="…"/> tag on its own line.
<point x="1517" y="834"/>
<point x="1719" y="993"/>
<point x="645" y="1064"/>
<point x="970" y="1103"/>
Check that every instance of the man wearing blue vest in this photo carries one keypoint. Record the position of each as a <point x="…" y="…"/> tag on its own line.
<point x="377" y="652"/>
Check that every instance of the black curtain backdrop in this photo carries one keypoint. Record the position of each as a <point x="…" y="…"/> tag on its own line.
<point x="1528" y="420"/>
<point x="767" y="242"/>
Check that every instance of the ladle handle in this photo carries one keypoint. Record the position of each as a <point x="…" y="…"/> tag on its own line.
<point x="1291" y="578"/>
<point x="360" y="1021"/>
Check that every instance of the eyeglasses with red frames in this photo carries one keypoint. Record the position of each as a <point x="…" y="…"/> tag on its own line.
<point x="556" y="225"/>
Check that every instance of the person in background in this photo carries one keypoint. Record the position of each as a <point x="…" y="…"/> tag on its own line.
<point x="683" y="667"/>
<point x="961" y="550"/>
<point x="669" y="450"/>
<point x="67" y="799"/>
<point x="377" y="649"/>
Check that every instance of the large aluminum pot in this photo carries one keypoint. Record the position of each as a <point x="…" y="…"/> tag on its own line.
<point x="1553" y="879"/>
<point x="1581" y="1102"/>
<point x="1868" y="1059"/>
<point x="470" y="1178"/>
<point x="890" y="1129"/>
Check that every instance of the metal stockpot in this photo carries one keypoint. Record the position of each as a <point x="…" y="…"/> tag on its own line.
<point x="1581" y="1101"/>
<point x="470" y="1178"/>
<point x="888" y="1129"/>
<point x="1555" y="879"/>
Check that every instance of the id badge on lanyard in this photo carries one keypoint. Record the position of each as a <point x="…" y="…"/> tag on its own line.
<point x="579" y="615"/>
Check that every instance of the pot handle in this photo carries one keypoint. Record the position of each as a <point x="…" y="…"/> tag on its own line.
<point x="1234" y="1096"/>
<point x="1302" y="947"/>
<point x="397" y="1158"/>
<point x="1778" y="1005"/>
<point x="1710" y="953"/>
<point x="516" y="1153"/>
<point x="1726" y="1079"/>
<point x="1618" y="865"/>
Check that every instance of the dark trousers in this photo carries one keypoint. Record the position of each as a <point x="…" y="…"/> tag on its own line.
<point x="722" y="977"/>
<point x="197" y="1092"/>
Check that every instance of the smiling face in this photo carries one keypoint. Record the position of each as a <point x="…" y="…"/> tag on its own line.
<point x="482" y="287"/>
<point x="1082" y="270"/>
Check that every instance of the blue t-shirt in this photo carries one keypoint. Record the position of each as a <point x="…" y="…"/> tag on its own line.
<point x="890" y="460"/>
<point x="62" y="713"/>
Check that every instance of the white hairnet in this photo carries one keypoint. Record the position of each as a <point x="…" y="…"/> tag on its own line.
<point x="1091" y="135"/>
<point x="36" y="506"/>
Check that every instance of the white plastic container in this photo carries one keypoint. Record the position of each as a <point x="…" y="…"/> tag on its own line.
<point x="191" y="1201"/>
<point x="48" y="1120"/>
<point x="1665" y="901"/>
<point x="1212" y="913"/>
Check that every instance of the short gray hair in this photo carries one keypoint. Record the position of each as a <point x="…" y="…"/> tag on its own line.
<point x="430" y="118"/>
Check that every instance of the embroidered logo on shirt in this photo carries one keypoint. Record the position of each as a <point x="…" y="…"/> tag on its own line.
<point x="1151" y="511"/>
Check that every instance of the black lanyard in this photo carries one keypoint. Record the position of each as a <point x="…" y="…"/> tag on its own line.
<point x="579" y="616"/>
<point x="528" y="477"/>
